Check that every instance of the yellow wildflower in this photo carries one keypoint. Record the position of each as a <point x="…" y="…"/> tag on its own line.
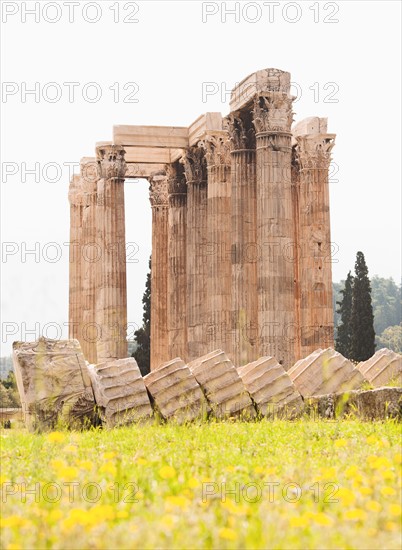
<point x="68" y="473"/>
<point x="109" y="455"/>
<point x="56" y="437"/>
<point x="193" y="483"/>
<point x="176" y="501"/>
<point x="168" y="521"/>
<point x="355" y="514"/>
<point x="227" y="534"/>
<point x="395" y="510"/>
<point x="373" y="506"/>
<point x="167" y="472"/>
<point x="391" y="526"/>
<point x="14" y="522"/>
<point x="323" y="519"/>
<point x="85" y="464"/>
<point x="352" y="471"/>
<point x="387" y="491"/>
<point x="340" y="443"/>
<point x="398" y="458"/>
<point x="345" y="496"/>
<point x="298" y="521"/>
<point x="108" y="468"/>
<point x="57" y="464"/>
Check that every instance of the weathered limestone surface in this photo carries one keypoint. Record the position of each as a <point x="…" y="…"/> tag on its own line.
<point x="313" y="151"/>
<point x="325" y="371"/>
<point x="175" y="392"/>
<point x="53" y="383"/>
<point x="219" y="241"/>
<point x="244" y="252"/>
<point x="241" y="244"/>
<point x="111" y="284"/>
<point x="383" y="367"/>
<point x="158" y="194"/>
<point x="195" y="168"/>
<point x="272" y="118"/>
<point x="90" y="259"/>
<point x="222" y="385"/>
<point x="177" y="276"/>
<point x="120" y="392"/>
<point x="377" y="404"/>
<point x="76" y="199"/>
<point x="271" y="388"/>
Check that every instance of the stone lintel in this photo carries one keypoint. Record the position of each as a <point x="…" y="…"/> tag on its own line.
<point x="259" y="83"/>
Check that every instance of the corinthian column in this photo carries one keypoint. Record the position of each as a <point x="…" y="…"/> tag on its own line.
<point x="75" y="197"/>
<point x="91" y="259"/>
<point x="244" y="252"/>
<point x="111" y="291"/>
<point x="158" y="195"/>
<point x="219" y="242"/>
<point x="275" y="236"/>
<point x="316" y="308"/>
<point x="195" y="169"/>
<point x="177" y="283"/>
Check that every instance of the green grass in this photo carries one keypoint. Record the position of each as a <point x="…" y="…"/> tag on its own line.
<point x="163" y="486"/>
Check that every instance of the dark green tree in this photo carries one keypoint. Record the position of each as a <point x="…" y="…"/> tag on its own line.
<point x="143" y="335"/>
<point x="362" y="318"/>
<point x="344" y="335"/>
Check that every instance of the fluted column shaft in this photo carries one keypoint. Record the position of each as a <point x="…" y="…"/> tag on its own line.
<point x="244" y="254"/>
<point x="111" y="291"/>
<point x="177" y="280"/>
<point x="295" y="192"/>
<point x="159" y="269"/>
<point x="275" y="234"/>
<point x="76" y="200"/>
<point x="316" y="307"/>
<point x="195" y="169"/>
<point x="91" y="258"/>
<point x="219" y="242"/>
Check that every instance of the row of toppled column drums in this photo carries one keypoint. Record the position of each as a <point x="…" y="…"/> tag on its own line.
<point x="56" y="384"/>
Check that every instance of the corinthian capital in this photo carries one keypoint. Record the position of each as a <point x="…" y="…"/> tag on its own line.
<point x="194" y="163"/>
<point x="241" y="131"/>
<point x="273" y="112"/>
<point x="314" y="150"/>
<point x="217" y="148"/>
<point x="158" y="189"/>
<point x="176" y="179"/>
<point x="110" y="160"/>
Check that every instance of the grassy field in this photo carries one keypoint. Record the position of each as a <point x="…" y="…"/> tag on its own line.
<point x="304" y="484"/>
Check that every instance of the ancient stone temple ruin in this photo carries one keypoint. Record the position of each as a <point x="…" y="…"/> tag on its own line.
<point x="241" y="252"/>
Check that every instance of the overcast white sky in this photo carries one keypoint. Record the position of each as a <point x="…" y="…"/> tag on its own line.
<point x="169" y="53"/>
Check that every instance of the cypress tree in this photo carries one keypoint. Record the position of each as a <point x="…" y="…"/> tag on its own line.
<point x="143" y="335"/>
<point x="344" y="336"/>
<point x="362" y="318"/>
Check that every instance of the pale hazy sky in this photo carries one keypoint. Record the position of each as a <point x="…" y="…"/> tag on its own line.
<point x="169" y="55"/>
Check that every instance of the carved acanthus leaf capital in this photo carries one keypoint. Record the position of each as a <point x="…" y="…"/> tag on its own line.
<point x="111" y="162"/>
<point x="273" y="113"/>
<point x="195" y="165"/>
<point x="176" y="179"/>
<point x="314" y="151"/>
<point x="158" y="189"/>
<point x="217" y="149"/>
<point x="241" y="131"/>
